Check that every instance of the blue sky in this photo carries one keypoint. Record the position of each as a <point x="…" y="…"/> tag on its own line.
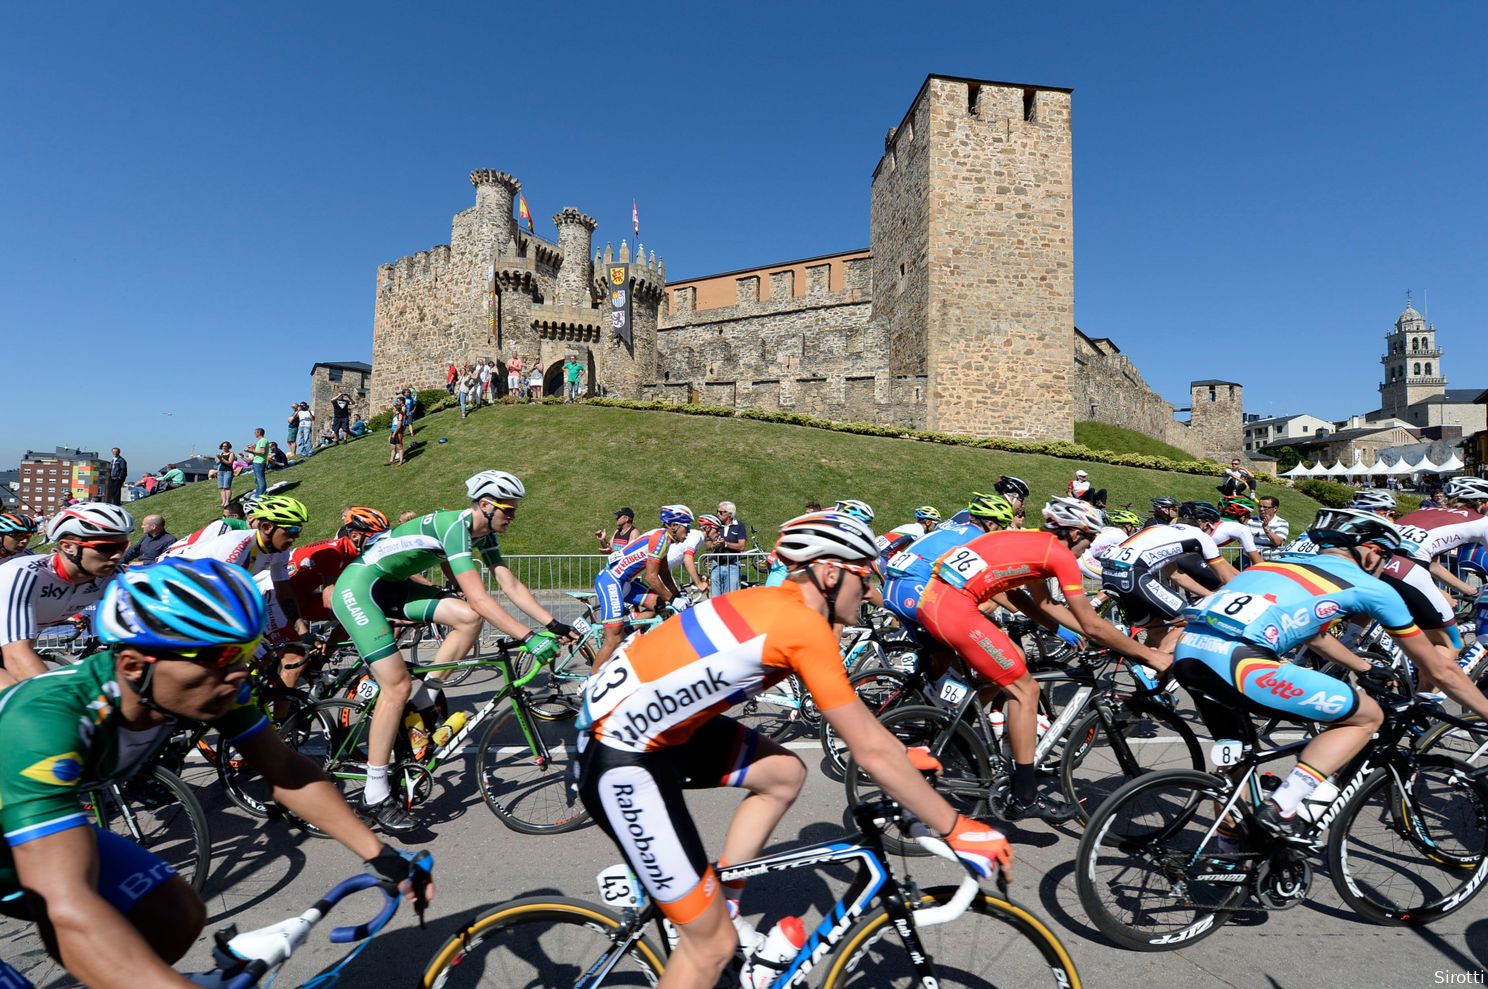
<point x="194" y="199"/>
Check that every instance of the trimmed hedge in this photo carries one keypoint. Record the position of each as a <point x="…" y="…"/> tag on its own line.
<point x="1053" y="448"/>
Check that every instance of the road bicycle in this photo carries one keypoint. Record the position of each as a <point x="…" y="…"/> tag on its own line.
<point x="1171" y="855"/>
<point x="884" y="932"/>
<point x="156" y="810"/>
<point x="521" y="761"/>
<point x="1098" y="737"/>
<point x="243" y="960"/>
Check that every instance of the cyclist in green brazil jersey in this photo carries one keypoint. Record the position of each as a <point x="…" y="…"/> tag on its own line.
<point x="179" y="632"/>
<point x="380" y="584"/>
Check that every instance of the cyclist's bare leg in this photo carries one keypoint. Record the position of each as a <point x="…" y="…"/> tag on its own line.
<point x="1344" y="739"/>
<point x="394" y="687"/>
<point x="464" y="629"/>
<point x="774" y="780"/>
<point x="612" y="635"/>
<point x="1443" y="643"/>
<point x="170" y="918"/>
<point x="703" y="949"/>
<point x="1021" y="712"/>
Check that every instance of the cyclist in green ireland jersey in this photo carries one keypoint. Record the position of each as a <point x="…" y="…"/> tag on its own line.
<point x="178" y="632"/>
<point x="379" y="584"/>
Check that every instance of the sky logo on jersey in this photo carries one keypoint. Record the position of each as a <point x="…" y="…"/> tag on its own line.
<point x="57" y="770"/>
<point x="1326" y="609"/>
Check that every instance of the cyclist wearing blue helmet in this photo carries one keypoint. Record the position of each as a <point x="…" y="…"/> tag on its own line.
<point x="178" y="633"/>
<point x="639" y="577"/>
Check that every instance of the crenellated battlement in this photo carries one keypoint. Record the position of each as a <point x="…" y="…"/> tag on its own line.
<point x="493" y="177"/>
<point x="571" y="216"/>
<point x="647" y="273"/>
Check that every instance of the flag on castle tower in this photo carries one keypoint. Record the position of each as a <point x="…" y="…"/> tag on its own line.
<point x="522" y="211"/>
<point x="635" y="218"/>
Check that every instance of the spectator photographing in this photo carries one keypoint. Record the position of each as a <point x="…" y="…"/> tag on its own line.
<point x="340" y="417"/>
<point x="292" y="434"/>
<point x="223" y="472"/>
<point x="733" y="540"/>
<point x="260" y="448"/>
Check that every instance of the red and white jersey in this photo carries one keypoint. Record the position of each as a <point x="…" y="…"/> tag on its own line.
<point x="34" y="594"/>
<point x="660" y="687"/>
<point x="687" y="547"/>
<point x="1228" y="531"/>
<point x="240" y="546"/>
<point x="1431" y="532"/>
<point x="211" y="530"/>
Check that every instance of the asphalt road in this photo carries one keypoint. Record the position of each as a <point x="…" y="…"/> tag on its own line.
<point x="263" y="872"/>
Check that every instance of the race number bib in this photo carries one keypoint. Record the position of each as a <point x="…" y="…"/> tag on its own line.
<point x="960" y="565"/>
<point x="618" y="887"/>
<point x="1235" y="611"/>
<point x="902" y="563"/>
<point x="606" y="688"/>
<point x="1119" y="558"/>
<point x="1413" y="537"/>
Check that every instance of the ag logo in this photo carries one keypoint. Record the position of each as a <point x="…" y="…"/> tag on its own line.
<point x="617" y="274"/>
<point x="1272" y="634"/>
<point x="1326" y="609"/>
<point x="1295" y="620"/>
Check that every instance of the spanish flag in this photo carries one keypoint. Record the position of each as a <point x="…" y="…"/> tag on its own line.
<point x="522" y="211"/>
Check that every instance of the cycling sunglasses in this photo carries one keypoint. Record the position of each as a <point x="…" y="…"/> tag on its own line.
<point x="861" y="570"/>
<point x="217" y="657"/>
<point x="105" y="546"/>
<point x="293" y="530"/>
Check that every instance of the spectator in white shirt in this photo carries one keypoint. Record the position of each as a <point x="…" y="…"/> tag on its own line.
<point x="1270" y="530"/>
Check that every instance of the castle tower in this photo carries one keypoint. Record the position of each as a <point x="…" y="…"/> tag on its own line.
<point x="575" y="274"/>
<point x="1412" y="360"/>
<point x="622" y="370"/>
<point x="973" y="256"/>
<point x="489" y="227"/>
<point x="1217" y="417"/>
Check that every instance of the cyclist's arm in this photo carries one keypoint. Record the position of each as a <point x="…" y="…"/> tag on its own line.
<point x="93" y="940"/>
<point x="1330" y="648"/>
<point x="692" y="572"/>
<point x="882" y="756"/>
<point x="1254" y="556"/>
<point x="1444" y="671"/>
<point x="659" y="579"/>
<point x="1103" y="633"/>
<point x="302" y="788"/>
<point x="22" y="659"/>
<point x="1446" y="576"/>
<point x="474" y="590"/>
<point x="1223" y="569"/>
<point x="284" y="590"/>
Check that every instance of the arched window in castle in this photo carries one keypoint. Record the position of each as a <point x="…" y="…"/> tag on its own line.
<point x="1428" y="369"/>
<point x="1418" y="368"/>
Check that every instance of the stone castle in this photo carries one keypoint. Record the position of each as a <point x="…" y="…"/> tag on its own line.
<point x="959" y="316"/>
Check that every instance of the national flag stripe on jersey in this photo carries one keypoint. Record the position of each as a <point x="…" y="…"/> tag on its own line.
<point x="1315" y="579"/>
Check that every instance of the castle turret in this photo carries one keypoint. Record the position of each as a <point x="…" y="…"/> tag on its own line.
<point x="491" y="226"/>
<point x="622" y="369"/>
<point x="575" y="230"/>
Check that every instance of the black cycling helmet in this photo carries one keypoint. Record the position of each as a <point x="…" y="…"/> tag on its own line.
<point x="1347" y="528"/>
<point x="1199" y="511"/>
<point x="1164" y="501"/>
<point x="1012" y="487"/>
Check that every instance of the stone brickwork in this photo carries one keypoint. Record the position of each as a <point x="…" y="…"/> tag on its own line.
<point x="959" y="318"/>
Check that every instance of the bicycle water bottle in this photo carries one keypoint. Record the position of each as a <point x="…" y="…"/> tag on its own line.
<point x="766" y="964"/>
<point x="1316" y="803"/>
<point x="1472" y="656"/>
<point x="999" y="723"/>
<point x="449" y="729"/>
<point x="418" y="739"/>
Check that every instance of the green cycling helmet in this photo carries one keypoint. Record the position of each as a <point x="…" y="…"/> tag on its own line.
<point x="992" y="507"/>
<point x="281" y="510"/>
<point x="927" y="513"/>
<point x="1122" y="516"/>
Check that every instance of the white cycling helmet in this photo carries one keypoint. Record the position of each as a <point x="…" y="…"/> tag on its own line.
<point x="1072" y="513"/>
<point x="860" y="510"/>
<point x="1373" y="501"/>
<point x="90" y="520"/>
<point x="497" y="485"/>
<point x="826" y="536"/>
<point x="1467" y="488"/>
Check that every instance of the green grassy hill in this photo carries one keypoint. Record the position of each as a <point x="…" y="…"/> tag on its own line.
<point x="1103" y="436"/>
<point x="580" y="463"/>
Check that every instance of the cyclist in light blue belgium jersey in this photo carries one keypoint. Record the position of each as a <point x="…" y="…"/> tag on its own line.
<point x="1230" y="652"/>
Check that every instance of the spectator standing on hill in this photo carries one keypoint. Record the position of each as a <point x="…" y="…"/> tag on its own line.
<point x="451" y="375"/>
<point x="1270" y="530"/>
<point x="514" y="380"/>
<point x="118" y="473"/>
<point x="224" y="471"/>
<point x="409" y="402"/>
<point x="625" y="532"/>
<point x="462" y="392"/>
<point x="341" y="417"/>
<point x="733" y="540"/>
<point x="306" y="431"/>
<point x="573" y="371"/>
<point x="293" y="431"/>
<point x="153" y="541"/>
<point x="260" y="448"/>
<point x="395" y="435"/>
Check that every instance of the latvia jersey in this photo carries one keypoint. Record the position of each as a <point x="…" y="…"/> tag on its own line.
<point x="687" y="547"/>
<point x="660" y="687"/>
<point x="211" y="530"/>
<point x="632" y="559"/>
<point x="239" y="547"/>
<point x="314" y="567"/>
<point x="1157" y="545"/>
<point x="1108" y="538"/>
<point x="998" y="562"/>
<point x="35" y="595"/>
<point x="1431" y="532"/>
<point x="1228" y="531"/>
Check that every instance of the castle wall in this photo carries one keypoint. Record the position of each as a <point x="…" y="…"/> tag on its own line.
<point x="900" y="233"/>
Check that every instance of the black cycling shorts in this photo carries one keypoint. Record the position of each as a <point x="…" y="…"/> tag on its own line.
<point x="1145" y="598"/>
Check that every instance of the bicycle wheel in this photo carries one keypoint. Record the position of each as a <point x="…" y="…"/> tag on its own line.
<point x="1411" y="853"/>
<point x="536" y="942"/>
<point x="1009" y="944"/>
<point x="524" y="775"/>
<point x="157" y="811"/>
<point x="966" y="775"/>
<point x="1457" y="743"/>
<point x="1149" y="876"/>
<point x="303" y="729"/>
<point x="1141" y="738"/>
<point x="775" y="713"/>
<point x="878" y="688"/>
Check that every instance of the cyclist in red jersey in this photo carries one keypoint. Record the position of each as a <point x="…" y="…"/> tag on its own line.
<point x="1009" y="569"/>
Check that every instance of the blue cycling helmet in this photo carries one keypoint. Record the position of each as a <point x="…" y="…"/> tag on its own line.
<point x="16" y="524"/>
<point x="859" y="510"/>
<point x="180" y="604"/>
<point x="675" y="514"/>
